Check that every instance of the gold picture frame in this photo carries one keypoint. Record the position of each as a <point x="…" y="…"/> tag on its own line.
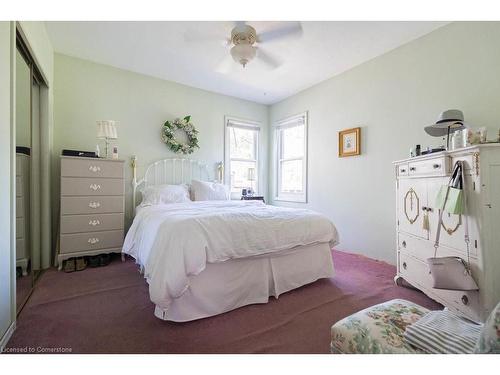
<point x="350" y="142"/>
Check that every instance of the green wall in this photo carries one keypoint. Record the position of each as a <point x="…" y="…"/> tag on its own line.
<point x="392" y="98"/>
<point x="86" y="92"/>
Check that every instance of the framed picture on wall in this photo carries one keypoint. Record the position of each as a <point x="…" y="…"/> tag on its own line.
<point x="350" y="142"/>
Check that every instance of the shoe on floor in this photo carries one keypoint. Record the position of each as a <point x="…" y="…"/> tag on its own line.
<point x="94" y="261"/>
<point x="81" y="264"/>
<point x="104" y="259"/>
<point x="69" y="265"/>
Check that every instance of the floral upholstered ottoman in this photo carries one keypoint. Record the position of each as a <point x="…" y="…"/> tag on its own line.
<point x="377" y="329"/>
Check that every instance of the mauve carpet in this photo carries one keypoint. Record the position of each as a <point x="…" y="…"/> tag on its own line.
<point x="107" y="310"/>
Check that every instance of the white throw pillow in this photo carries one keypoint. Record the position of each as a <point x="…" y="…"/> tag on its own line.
<point x="209" y="191"/>
<point x="161" y="194"/>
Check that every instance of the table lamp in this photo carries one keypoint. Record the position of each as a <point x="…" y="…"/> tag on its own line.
<point x="106" y="130"/>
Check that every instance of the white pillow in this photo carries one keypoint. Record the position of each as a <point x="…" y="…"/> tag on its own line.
<point x="209" y="191"/>
<point x="161" y="194"/>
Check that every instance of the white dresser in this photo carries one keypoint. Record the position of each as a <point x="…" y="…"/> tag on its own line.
<point x="23" y="244"/>
<point x="418" y="181"/>
<point x="92" y="207"/>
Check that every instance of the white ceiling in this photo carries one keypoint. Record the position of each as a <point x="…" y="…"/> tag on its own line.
<point x="189" y="52"/>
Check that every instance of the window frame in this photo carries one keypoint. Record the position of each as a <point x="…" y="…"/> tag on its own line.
<point x="242" y="124"/>
<point x="278" y="160"/>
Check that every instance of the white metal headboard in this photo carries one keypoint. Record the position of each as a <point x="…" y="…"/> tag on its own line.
<point x="169" y="172"/>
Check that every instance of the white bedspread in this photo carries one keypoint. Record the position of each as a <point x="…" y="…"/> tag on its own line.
<point x="175" y="241"/>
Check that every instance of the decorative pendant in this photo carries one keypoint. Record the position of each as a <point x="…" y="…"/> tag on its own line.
<point x="411" y="196"/>
<point x="425" y="222"/>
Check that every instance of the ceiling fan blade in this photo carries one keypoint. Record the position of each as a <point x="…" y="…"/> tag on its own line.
<point x="226" y="65"/>
<point x="198" y="36"/>
<point x="269" y="60"/>
<point x="291" y="30"/>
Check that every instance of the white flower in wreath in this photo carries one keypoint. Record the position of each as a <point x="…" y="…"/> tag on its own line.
<point x="168" y="135"/>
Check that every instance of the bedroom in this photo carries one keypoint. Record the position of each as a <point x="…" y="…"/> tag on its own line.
<point x="261" y="180"/>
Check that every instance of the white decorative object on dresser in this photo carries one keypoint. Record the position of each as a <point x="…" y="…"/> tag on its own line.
<point x="418" y="181"/>
<point x="23" y="241"/>
<point x="92" y="207"/>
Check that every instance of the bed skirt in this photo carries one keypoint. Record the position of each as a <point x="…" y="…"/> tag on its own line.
<point x="223" y="287"/>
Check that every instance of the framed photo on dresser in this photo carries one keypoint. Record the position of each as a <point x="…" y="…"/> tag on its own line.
<point x="350" y="142"/>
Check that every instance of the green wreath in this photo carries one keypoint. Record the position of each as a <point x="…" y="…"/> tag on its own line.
<point x="168" y="135"/>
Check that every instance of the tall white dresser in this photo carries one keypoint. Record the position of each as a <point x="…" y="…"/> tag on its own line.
<point x="92" y="207"/>
<point x="418" y="181"/>
<point x="23" y="244"/>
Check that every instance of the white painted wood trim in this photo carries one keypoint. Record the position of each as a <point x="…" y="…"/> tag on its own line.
<point x="281" y="124"/>
<point x="250" y="125"/>
<point x="13" y="282"/>
<point x="6" y="337"/>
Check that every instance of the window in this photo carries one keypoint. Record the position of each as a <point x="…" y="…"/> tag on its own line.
<point x="291" y="159"/>
<point x="241" y="155"/>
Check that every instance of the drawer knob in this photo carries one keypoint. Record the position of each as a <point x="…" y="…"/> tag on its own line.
<point x="94" y="222"/>
<point x="94" y="204"/>
<point x="405" y="266"/>
<point x="95" y="187"/>
<point x="402" y="170"/>
<point x="93" y="240"/>
<point x="404" y="244"/>
<point x="436" y="166"/>
<point x="94" y="168"/>
<point x="413" y="169"/>
<point x="465" y="300"/>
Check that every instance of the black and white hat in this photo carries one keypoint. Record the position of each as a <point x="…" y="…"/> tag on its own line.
<point x="448" y="121"/>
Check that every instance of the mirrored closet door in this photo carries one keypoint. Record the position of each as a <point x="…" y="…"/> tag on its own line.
<point x="27" y="85"/>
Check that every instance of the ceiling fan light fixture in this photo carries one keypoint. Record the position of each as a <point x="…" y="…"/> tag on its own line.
<point x="243" y="53"/>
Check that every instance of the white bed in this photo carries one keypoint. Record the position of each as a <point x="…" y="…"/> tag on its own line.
<point x="205" y="258"/>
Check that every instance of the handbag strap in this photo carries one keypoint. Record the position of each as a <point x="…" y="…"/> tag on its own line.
<point x="454" y="175"/>
<point x="458" y="169"/>
<point x="466" y="220"/>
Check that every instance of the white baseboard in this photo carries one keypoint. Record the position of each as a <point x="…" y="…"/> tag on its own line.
<point x="6" y="337"/>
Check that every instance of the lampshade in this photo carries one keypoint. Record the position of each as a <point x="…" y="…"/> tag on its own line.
<point x="251" y="174"/>
<point x="107" y="129"/>
<point x="243" y="53"/>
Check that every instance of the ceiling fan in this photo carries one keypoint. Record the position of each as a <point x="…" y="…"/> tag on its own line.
<point x="245" y="44"/>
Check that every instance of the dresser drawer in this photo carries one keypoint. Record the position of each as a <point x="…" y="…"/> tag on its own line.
<point x="430" y="167"/>
<point x="91" y="205"/>
<point x="21" y="250"/>
<point x="417" y="273"/>
<point x="73" y="243"/>
<point x="91" y="186"/>
<point x="402" y="169"/>
<point x="19" y="207"/>
<point x="424" y="249"/>
<point x="91" y="167"/>
<point x="19" y="186"/>
<point x="18" y="165"/>
<point x="90" y="223"/>
<point x="468" y="161"/>
<point x="20" y="228"/>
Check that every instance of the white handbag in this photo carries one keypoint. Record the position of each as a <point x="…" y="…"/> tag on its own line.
<point x="452" y="272"/>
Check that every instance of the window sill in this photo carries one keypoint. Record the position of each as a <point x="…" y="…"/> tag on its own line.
<point x="290" y="200"/>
